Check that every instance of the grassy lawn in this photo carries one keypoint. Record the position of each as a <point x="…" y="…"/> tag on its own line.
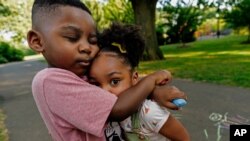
<point x="3" y="130"/>
<point x="222" y="61"/>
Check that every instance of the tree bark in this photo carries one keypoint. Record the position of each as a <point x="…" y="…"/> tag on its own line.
<point x="144" y="12"/>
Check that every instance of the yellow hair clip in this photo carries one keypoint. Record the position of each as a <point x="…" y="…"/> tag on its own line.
<point x="122" y="50"/>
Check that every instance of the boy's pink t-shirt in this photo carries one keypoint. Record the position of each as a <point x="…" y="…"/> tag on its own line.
<point x="72" y="109"/>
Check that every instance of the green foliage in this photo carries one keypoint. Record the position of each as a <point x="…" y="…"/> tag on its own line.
<point x="3" y="60"/>
<point x="9" y="53"/>
<point x="96" y="8"/>
<point x="239" y="16"/>
<point x="15" y="18"/>
<point x="119" y="10"/>
<point x="221" y="61"/>
<point x="182" y="21"/>
<point x="28" y="51"/>
<point x="104" y="12"/>
<point x="4" y="10"/>
<point x="160" y="33"/>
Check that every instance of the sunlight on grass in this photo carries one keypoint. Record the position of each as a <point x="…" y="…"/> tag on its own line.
<point x="232" y="53"/>
<point x="190" y="54"/>
<point x="222" y="61"/>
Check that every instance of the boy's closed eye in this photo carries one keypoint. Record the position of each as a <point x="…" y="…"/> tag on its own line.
<point x="71" y="33"/>
<point x="72" y="38"/>
<point x="94" y="83"/>
<point x="92" y="39"/>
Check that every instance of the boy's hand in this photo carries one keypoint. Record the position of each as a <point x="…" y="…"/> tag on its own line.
<point x="165" y="94"/>
<point x="162" y="77"/>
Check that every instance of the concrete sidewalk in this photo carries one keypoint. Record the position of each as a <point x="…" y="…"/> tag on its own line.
<point x="23" y="119"/>
<point x="207" y="116"/>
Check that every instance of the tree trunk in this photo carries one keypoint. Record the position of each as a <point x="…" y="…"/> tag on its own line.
<point x="144" y="12"/>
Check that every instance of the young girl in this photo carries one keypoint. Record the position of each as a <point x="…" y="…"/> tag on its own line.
<point x="72" y="109"/>
<point x="121" y="49"/>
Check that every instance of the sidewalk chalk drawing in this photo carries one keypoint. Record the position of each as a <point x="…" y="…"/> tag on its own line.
<point x="223" y="122"/>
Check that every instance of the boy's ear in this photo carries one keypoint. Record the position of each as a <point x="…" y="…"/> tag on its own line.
<point x="34" y="40"/>
<point x="135" y="77"/>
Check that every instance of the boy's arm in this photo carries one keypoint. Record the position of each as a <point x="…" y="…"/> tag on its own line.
<point x="174" y="130"/>
<point x="130" y="100"/>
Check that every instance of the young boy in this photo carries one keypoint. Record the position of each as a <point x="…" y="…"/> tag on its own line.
<point x="72" y="109"/>
<point x="122" y="47"/>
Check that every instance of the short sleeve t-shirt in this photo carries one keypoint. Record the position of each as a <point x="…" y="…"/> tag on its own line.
<point x="72" y="109"/>
<point x="151" y="118"/>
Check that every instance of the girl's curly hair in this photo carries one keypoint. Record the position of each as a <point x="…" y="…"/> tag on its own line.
<point x="129" y="39"/>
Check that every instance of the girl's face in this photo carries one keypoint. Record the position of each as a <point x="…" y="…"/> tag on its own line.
<point x="110" y="73"/>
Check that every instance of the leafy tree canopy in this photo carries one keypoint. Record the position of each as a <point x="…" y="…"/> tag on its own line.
<point x="182" y="20"/>
<point x="15" y="18"/>
<point x="239" y="15"/>
<point x="104" y="12"/>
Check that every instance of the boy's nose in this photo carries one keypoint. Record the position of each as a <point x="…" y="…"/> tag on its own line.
<point x="85" y="48"/>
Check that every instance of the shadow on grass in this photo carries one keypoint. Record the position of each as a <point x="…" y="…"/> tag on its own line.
<point x="245" y="42"/>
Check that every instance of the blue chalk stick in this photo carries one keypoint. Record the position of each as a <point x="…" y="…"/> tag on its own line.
<point x="179" y="102"/>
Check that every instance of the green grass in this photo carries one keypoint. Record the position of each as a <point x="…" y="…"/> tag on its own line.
<point x="222" y="61"/>
<point x="3" y="130"/>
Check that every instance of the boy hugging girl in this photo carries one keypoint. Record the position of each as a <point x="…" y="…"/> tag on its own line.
<point x="72" y="108"/>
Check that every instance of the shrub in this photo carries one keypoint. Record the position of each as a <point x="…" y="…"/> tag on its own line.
<point x="3" y="60"/>
<point x="9" y="53"/>
<point x="159" y="34"/>
<point x="28" y="51"/>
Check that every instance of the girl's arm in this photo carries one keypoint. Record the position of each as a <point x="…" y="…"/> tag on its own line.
<point x="130" y="100"/>
<point x="174" y="130"/>
<point x="164" y="95"/>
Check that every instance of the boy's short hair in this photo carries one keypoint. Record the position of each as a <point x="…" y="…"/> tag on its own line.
<point x="43" y="8"/>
